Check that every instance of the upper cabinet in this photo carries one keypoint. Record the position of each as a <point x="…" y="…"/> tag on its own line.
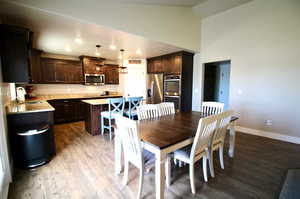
<point x="111" y="72"/>
<point x="14" y="53"/>
<point x="35" y="66"/>
<point x="92" y="65"/>
<point x="169" y="64"/>
<point x="61" y="71"/>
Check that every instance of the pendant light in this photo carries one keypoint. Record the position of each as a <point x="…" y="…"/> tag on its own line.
<point x="97" y="53"/>
<point x="122" y="68"/>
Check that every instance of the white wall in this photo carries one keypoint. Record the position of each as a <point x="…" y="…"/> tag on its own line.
<point x="262" y="40"/>
<point x="177" y="26"/>
<point x="4" y="153"/>
<point x="134" y="82"/>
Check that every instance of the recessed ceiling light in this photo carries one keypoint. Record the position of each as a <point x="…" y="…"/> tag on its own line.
<point x="68" y="49"/>
<point x="138" y="51"/>
<point x="78" y="40"/>
<point x="113" y="47"/>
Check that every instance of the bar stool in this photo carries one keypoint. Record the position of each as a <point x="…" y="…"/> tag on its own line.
<point x="134" y="102"/>
<point x="115" y="106"/>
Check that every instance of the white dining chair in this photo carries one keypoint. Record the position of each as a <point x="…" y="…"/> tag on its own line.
<point x="219" y="136"/>
<point x="133" y="149"/>
<point x="166" y="108"/>
<point x="199" y="149"/>
<point x="212" y="108"/>
<point x="147" y="111"/>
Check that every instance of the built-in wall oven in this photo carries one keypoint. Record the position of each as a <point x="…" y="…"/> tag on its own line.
<point x="94" y="79"/>
<point x="172" y="89"/>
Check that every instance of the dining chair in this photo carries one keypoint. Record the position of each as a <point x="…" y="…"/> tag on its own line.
<point x="115" y="106"/>
<point x="219" y="136"/>
<point x="199" y="149"/>
<point x="133" y="102"/>
<point x="133" y="149"/>
<point x="166" y="108"/>
<point x="212" y="108"/>
<point x="147" y="111"/>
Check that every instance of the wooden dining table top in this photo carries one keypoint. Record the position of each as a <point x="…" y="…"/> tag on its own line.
<point x="166" y="131"/>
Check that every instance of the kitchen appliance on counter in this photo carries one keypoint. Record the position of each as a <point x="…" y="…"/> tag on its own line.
<point x="20" y="94"/>
<point x="172" y="89"/>
<point x="31" y="138"/>
<point x="154" y="88"/>
<point x="94" y="79"/>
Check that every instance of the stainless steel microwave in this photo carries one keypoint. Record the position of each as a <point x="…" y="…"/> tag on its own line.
<point x="94" y="79"/>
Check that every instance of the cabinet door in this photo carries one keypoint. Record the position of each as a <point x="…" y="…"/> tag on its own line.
<point x="111" y="74"/>
<point x="158" y="65"/>
<point x="150" y="65"/>
<point x="48" y="71"/>
<point x="14" y="53"/>
<point x="167" y="64"/>
<point x="35" y="66"/>
<point x="177" y="64"/>
<point x="92" y="65"/>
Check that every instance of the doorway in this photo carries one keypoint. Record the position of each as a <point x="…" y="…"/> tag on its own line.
<point x="216" y="82"/>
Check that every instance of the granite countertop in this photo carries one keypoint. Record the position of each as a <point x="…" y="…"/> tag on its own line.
<point x="74" y="96"/>
<point x="95" y="101"/>
<point x="28" y="107"/>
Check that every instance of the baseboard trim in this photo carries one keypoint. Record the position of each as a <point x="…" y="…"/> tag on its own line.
<point x="276" y="136"/>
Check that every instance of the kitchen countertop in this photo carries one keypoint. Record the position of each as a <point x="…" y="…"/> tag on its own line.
<point x="28" y="107"/>
<point x="95" y="101"/>
<point x="74" y="96"/>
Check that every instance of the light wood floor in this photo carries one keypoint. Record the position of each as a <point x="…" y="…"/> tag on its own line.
<point x="84" y="168"/>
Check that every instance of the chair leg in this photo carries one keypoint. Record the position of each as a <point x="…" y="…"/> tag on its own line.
<point x="126" y="168"/>
<point x="192" y="178"/>
<point x="110" y="131"/>
<point x="210" y="154"/>
<point x="221" y="156"/>
<point x="102" y="125"/>
<point x="175" y="161"/>
<point x="141" y="181"/>
<point x="180" y="163"/>
<point x="204" y="161"/>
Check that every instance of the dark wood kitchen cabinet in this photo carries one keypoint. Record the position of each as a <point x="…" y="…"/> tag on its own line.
<point x="61" y="71"/>
<point x="92" y="65"/>
<point x="14" y="53"/>
<point x="170" y="64"/>
<point x="111" y="72"/>
<point x="67" y="110"/>
<point x="35" y="66"/>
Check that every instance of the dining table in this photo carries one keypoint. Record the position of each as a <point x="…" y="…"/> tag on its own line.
<point x="164" y="135"/>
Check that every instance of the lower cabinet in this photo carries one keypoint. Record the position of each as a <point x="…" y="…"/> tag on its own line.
<point x="67" y="110"/>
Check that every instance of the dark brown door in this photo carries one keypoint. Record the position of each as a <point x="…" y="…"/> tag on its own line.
<point x="35" y="66"/>
<point x="48" y="70"/>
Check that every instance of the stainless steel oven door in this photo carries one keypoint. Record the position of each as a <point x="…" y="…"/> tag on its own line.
<point x="172" y="87"/>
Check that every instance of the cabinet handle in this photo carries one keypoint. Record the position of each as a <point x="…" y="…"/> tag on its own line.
<point x="33" y="132"/>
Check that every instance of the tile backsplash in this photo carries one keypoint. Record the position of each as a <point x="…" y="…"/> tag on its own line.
<point x="48" y="89"/>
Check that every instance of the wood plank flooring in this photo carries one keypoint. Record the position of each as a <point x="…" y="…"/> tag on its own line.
<point x="84" y="169"/>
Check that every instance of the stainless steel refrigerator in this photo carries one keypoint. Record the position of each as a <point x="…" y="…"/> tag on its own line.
<point x="155" y="91"/>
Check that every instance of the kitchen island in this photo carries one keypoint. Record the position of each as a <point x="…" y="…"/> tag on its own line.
<point x="93" y="108"/>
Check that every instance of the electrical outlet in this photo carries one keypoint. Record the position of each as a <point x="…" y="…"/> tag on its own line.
<point x="269" y="122"/>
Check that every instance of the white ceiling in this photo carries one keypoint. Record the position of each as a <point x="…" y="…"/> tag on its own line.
<point x="185" y="3"/>
<point x="54" y="33"/>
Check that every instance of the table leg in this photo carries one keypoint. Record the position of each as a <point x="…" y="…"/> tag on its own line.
<point x="231" y="139"/>
<point x="168" y="171"/>
<point x="118" y="154"/>
<point x="160" y="174"/>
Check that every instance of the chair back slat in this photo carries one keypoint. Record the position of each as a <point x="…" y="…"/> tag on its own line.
<point x="204" y="134"/>
<point x="134" y="102"/>
<point x="222" y="126"/>
<point x="166" y="108"/>
<point x="147" y="111"/>
<point x="211" y="108"/>
<point x="116" y="105"/>
<point x="130" y="138"/>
